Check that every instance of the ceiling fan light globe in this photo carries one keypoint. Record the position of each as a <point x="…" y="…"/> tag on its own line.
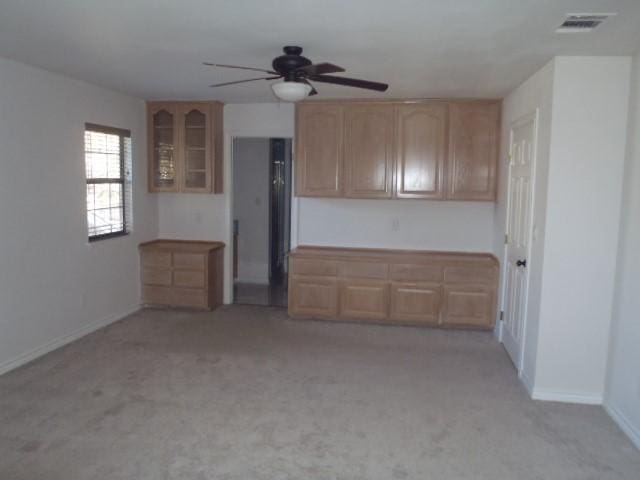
<point x="291" y="91"/>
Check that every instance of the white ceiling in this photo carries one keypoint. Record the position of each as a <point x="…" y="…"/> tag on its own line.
<point x="423" y="48"/>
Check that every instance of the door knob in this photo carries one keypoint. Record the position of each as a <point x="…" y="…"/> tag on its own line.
<point x="521" y="263"/>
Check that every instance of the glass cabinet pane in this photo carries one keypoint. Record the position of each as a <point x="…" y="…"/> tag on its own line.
<point x="164" y="163"/>
<point x="195" y="149"/>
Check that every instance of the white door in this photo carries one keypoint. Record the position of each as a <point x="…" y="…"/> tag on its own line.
<point x="522" y="151"/>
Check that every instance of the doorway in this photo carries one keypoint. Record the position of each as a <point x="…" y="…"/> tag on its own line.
<point x="522" y="159"/>
<point x="261" y="220"/>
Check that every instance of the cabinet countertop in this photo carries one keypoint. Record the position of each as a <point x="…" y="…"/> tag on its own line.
<point x="351" y="252"/>
<point x="192" y="246"/>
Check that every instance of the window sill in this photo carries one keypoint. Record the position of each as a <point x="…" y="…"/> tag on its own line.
<point x="106" y="236"/>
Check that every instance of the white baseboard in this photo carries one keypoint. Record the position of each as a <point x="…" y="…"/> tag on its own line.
<point x="566" y="397"/>
<point x="528" y="383"/>
<point x="26" y="357"/>
<point x="631" y="430"/>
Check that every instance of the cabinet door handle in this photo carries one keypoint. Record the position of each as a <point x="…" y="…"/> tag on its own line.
<point x="521" y="263"/>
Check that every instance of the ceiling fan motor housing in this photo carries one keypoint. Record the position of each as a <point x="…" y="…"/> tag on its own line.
<point x="287" y="64"/>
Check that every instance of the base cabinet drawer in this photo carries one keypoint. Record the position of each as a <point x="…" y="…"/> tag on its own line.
<point x="156" y="276"/>
<point x="313" y="296"/>
<point x="188" y="260"/>
<point x="156" y="295"/>
<point x="313" y="267"/>
<point x="189" y="297"/>
<point x="468" y="306"/>
<point x="155" y="259"/>
<point x="415" y="302"/>
<point x="364" y="299"/>
<point x="189" y="278"/>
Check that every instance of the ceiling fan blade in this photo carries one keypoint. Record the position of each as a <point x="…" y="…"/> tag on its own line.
<point x="243" y="81"/>
<point x="313" y="90"/>
<point x="320" y="69"/>
<point x="350" y="82"/>
<point x="241" y="68"/>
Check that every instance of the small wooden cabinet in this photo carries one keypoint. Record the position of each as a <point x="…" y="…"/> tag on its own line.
<point x="445" y="289"/>
<point x="182" y="273"/>
<point x="429" y="149"/>
<point x="185" y="147"/>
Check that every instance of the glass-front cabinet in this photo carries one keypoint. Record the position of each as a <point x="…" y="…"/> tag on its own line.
<point x="185" y="147"/>
<point x="196" y="149"/>
<point x="163" y="133"/>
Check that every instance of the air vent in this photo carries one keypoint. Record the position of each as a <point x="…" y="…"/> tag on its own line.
<point x="582" y="22"/>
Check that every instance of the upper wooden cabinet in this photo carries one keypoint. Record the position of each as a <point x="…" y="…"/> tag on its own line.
<point x="319" y="150"/>
<point x="473" y="150"/>
<point x="185" y="146"/>
<point x="163" y="144"/>
<point x="368" y="151"/>
<point x="421" y="150"/>
<point x="432" y="149"/>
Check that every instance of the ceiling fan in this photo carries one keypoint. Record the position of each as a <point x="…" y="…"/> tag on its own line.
<point x="297" y="71"/>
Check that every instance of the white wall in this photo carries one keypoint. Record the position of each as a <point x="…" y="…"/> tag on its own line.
<point x="622" y="398"/>
<point x="534" y="94"/>
<point x="403" y="224"/>
<point x="251" y="207"/>
<point x="588" y="138"/>
<point x="54" y="286"/>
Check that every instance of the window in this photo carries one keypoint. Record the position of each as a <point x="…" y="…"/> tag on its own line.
<point x="107" y="153"/>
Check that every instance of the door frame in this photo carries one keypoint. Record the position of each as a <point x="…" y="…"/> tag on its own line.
<point x="535" y="116"/>
<point x="227" y="196"/>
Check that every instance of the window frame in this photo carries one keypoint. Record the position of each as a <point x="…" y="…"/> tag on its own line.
<point x="122" y="180"/>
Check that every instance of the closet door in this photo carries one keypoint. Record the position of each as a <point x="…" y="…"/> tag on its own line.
<point x="196" y="147"/>
<point x="164" y="169"/>
<point x="421" y="150"/>
<point x="368" y="150"/>
<point x="473" y="150"/>
<point x="318" y="159"/>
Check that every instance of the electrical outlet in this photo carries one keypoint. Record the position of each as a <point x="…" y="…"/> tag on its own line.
<point x="395" y="224"/>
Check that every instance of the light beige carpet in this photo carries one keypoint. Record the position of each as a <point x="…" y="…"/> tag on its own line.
<point x="244" y="393"/>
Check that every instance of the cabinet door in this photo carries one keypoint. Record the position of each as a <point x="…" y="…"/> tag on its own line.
<point x="421" y="150"/>
<point x="196" y="148"/>
<point x="368" y="150"/>
<point x="164" y="169"/>
<point x="468" y="306"/>
<point x="415" y="302"/>
<point x="473" y="150"/>
<point x="313" y="296"/>
<point x="318" y="160"/>
<point x="364" y="299"/>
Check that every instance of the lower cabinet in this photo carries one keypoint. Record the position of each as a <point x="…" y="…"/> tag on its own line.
<point x="364" y="299"/>
<point x="313" y="296"/>
<point x="181" y="273"/>
<point x="447" y="289"/>
<point x="468" y="305"/>
<point x="415" y="303"/>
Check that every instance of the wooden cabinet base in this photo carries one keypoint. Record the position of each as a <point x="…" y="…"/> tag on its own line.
<point x="443" y="289"/>
<point x="182" y="273"/>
